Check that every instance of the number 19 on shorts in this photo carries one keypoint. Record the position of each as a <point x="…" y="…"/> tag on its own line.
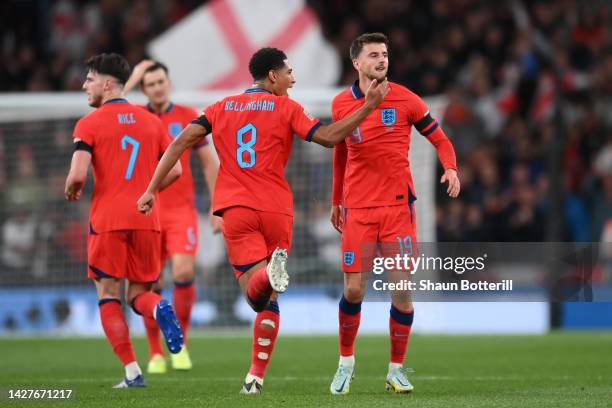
<point x="246" y="137"/>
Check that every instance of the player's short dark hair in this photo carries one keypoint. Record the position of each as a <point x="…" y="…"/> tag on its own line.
<point x="154" y="67"/>
<point x="264" y="60"/>
<point x="110" y="64"/>
<point x="367" y="38"/>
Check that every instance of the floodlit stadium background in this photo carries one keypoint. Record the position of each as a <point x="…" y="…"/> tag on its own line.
<point x="523" y="90"/>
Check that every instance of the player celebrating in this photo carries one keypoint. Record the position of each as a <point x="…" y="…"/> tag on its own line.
<point x="178" y="215"/>
<point x="373" y="185"/>
<point x="123" y="142"/>
<point x="253" y="134"/>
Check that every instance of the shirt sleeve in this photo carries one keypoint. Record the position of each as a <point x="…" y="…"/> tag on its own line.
<point x="302" y="124"/>
<point x="430" y="128"/>
<point x="418" y="109"/>
<point x="420" y="117"/>
<point x="191" y="116"/>
<point x="207" y="117"/>
<point x="85" y="131"/>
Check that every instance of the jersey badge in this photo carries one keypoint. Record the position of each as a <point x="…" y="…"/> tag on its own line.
<point x="387" y="116"/>
<point x="174" y="129"/>
<point x="349" y="258"/>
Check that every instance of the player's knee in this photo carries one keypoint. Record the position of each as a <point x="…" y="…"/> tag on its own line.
<point x="183" y="273"/>
<point x="108" y="288"/>
<point x="354" y="293"/>
<point x="257" y="306"/>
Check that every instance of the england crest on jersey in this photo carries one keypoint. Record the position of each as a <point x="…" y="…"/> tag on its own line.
<point x="349" y="258"/>
<point x="174" y="129"/>
<point x="387" y="116"/>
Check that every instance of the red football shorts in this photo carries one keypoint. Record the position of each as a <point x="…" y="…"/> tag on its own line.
<point x="128" y="254"/>
<point x="376" y="231"/>
<point x="251" y="236"/>
<point x="179" y="233"/>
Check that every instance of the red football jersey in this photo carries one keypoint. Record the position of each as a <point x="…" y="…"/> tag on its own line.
<point x="253" y="135"/>
<point x="126" y="143"/>
<point x="377" y="171"/>
<point x="180" y="194"/>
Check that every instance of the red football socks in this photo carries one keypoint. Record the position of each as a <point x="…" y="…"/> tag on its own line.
<point x="258" y="288"/>
<point x="349" y="317"/>
<point x="400" y="323"/>
<point x="265" y="331"/>
<point x="145" y="303"/>
<point x="184" y="299"/>
<point x="153" y="336"/>
<point x="116" y="329"/>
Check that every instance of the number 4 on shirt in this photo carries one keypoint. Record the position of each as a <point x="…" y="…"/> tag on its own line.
<point x="125" y="141"/>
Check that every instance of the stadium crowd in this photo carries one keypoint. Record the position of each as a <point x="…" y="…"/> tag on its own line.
<point x="499" y="64"/>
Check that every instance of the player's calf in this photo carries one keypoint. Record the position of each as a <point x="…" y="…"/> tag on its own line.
<point x="151" y="304"/>
<point x="267" y="279"/>
<point x="117" y="332"/>
<point x="265" y="331"/>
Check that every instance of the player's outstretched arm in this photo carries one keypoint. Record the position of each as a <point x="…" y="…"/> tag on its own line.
<point x="210" y="169"/>
<point x="448" y="159"/>
<point x="188" y="137"/>
<point x="173" y="175"/>
<point x="333" y="134"/>
<point x="77" y="176"/>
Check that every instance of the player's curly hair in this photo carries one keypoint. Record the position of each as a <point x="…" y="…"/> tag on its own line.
<point x="265" y="60"/>
<point x="110" y="64"/>
<point x="367" y="38"/>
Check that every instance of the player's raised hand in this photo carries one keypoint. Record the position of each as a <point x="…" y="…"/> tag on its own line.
<point x="216" y="222"/>
<point x="454" y="186"/>
<point x="376" y="92"/>
<point x="141" y="67"/>
<point x="137" y="74"/>
<point x="145" y="203"/>
<point x="337" y="217"/>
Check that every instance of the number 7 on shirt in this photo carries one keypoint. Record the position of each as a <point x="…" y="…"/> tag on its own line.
<point x="125" y="140"/>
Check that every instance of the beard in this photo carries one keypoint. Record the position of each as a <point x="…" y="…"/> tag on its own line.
<point x="95" y="101"/>
<point x="377" y="75"/>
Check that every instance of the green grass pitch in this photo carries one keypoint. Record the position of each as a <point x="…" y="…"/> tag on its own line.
<point x="559" y="369"/>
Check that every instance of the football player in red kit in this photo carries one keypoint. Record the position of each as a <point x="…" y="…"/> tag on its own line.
<point x="178" y="214"/>
<point x="123" y="143"/>
<point x="373" y="197"/>
<point x="253" y="134"/>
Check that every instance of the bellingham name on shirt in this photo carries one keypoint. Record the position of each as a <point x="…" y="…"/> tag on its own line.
<point x="261" y="105"/>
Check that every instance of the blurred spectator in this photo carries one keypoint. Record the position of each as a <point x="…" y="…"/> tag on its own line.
<point x="43" y="42"/>
<point x="24" y="190"/>
<point x="18" y="244"/>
